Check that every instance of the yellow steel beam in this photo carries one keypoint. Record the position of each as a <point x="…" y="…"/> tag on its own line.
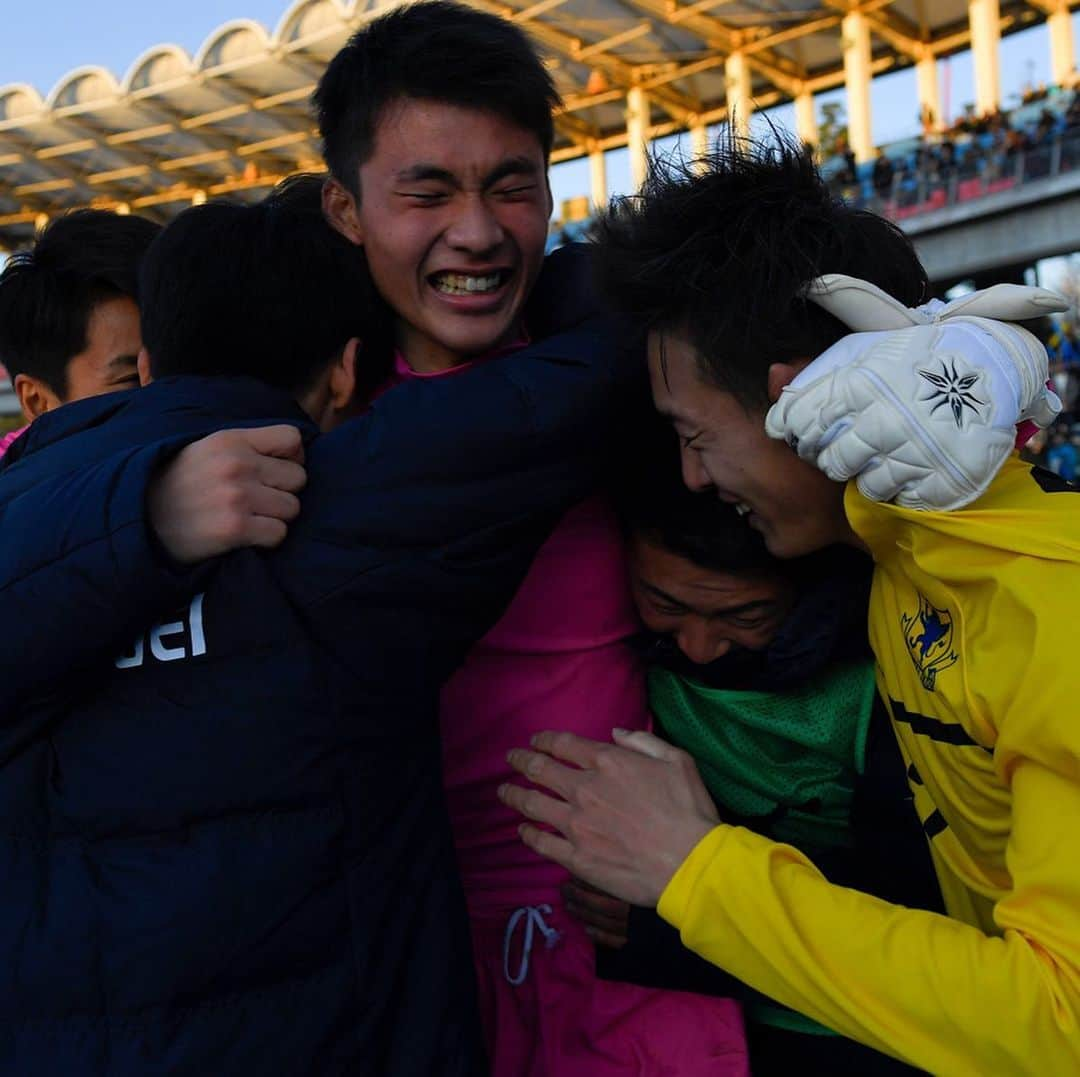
<point x="718" y="35"/>
<point x="618" y="70"/>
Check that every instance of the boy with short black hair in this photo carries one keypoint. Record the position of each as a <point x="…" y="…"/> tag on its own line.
<point x="69" y="315"/>
<point x="225" y="847"/>
<point x="762" y="671"/>
<point x="965" y="621"/>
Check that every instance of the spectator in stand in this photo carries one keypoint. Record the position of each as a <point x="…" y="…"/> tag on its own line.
<point x="1072" y="115"/>
<point x="884" y="172"/>
<point x="946" y="159"/>
<point x="1061" y="457"/>
<point x="69" y="321"/>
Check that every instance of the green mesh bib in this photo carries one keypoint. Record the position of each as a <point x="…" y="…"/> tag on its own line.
<point x="785" y="762"/>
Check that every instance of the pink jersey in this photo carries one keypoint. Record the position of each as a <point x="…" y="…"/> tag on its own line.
<point x="7" y="439"/>
<point x="558" y="659"/>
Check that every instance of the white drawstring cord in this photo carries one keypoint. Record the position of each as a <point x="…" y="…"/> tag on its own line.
<point x="533" y="915"/>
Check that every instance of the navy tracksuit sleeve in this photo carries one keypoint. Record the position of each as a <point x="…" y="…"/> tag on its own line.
<point x="437" y="499"/>
<point x="92" y="576"/>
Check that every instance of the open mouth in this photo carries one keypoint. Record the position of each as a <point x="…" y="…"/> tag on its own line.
<point x="447" y="283"/>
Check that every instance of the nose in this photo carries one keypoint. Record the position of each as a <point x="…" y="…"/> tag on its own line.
<point x="475" y="229"/>
<point x="699" y="644"/>
<point x="693" y="473"/>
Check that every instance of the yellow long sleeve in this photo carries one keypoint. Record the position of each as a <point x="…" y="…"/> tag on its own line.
<point x="971" y="620"/>
<point x="931" y="990"/>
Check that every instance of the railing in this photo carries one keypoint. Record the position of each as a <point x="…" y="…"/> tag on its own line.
<point x="973" y="177"/>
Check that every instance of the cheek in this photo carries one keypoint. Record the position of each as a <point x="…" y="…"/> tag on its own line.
<point x="528" y="224"/>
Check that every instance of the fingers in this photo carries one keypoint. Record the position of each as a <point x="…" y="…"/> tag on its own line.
<point x="608" y="939"/>
<point x="276" y="504"/>
<point x="645" y="744"/>
<point x="282" y="441"/>
<point x="595" y="908"/>
<point x="543" y="770"/>
<point x="288" y="475"/>
<point x="548" y="845"/>
<point x="265" y="532"/>
<point x="570" y="748"/>
<point x="536" y="805"/>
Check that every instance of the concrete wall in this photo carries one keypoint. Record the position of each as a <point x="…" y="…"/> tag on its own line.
<point x="1019" y="226"/>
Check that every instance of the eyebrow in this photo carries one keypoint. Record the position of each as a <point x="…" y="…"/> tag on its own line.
<point x="744" y="607"/>
<point x="420" y="172"/>
<point x="424" y="171"/>
<point x="512" y="166"/>
<point x="123" y="361"/>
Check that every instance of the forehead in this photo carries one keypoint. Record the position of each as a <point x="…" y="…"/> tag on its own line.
<point x="460" y="140"/>
<point x="679" y="390"/>
<point x="700" y="587"/>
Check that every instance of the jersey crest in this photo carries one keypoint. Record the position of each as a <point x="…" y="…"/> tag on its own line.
<point x="929" y="637"/>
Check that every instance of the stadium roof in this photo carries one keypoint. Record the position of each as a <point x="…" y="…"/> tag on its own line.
<point x="235" y="118"/>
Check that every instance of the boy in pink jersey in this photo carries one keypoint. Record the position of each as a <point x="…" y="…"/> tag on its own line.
<point x="437" y="124"/>
<point x="559" y="655"/>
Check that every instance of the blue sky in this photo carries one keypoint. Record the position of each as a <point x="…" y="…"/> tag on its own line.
<point x="40" y="43"/>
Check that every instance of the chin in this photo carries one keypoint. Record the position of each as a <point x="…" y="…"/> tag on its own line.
<point x="786" y="544"/>
<point x="478" y="340"/>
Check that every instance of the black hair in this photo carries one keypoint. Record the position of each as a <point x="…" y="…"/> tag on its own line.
<point x="260" y="291"/>
<point x="300" y="192"/>
<point x="721" y="250"/>
<point x="655" y="504"/>
<point x="437" y="51"/>
<point x="49" y="292"/>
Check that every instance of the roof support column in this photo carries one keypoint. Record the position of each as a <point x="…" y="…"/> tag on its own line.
<point x="856" y="36"/>
<point x="740" y="106"/>
<point x="1062" y="49"/>
<point x="806" y="118"/>
<point x="598" y="177"/>
<point x="926" y="74"/>
<point x="985" y="19"/>
<point x="637" y="134"/>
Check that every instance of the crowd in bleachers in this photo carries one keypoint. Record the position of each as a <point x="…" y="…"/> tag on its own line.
<point x="975" y="156"/>
<point x="1059" y="447"/>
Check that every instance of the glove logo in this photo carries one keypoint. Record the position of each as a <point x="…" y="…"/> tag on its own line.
<point x="953" y="388"/>
<point x="929" y="638"/>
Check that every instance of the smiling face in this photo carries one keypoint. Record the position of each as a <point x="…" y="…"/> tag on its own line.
<point x="705" y="611"/>
<point x="452" y="214"/>
<point x="107" y="364"/>
<point x="724" y="447"/>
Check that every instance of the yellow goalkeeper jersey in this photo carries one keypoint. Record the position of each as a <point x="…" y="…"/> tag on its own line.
<point x="972" y="620"/>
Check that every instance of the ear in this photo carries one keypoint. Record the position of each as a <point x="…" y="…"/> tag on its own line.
<point x="343" y="377"/>
<point x="35" y="397"/>
<point x="550" y="198"/>
<point x="781" y="374"/>
<point x="340" y="209"/>
<point x="142" y="364"/>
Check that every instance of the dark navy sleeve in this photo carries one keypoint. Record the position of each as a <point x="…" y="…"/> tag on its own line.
<point x="437" y="499"/>
<point x="92" y="575"/>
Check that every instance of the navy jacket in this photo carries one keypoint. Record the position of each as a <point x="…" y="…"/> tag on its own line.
<point x="223" y="846"/>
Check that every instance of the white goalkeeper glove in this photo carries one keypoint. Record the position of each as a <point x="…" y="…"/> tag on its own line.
<point x="920" y="406"/>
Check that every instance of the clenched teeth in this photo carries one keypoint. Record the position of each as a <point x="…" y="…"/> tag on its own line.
<point x="463" y="284"/>
<point x="742" y="508"/>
